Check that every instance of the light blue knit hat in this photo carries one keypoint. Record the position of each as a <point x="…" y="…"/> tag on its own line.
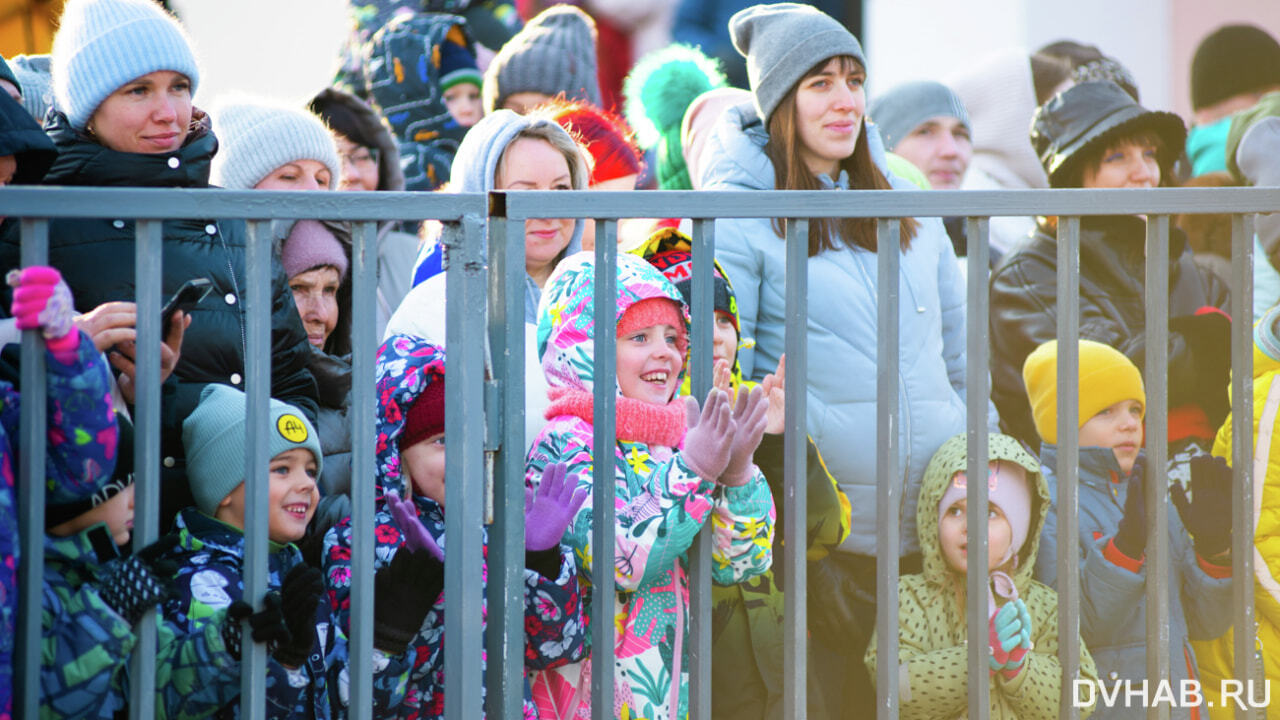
<point x="213" y="436"/>
<point x="103" y="44"/>
<point x="256" y="137"/>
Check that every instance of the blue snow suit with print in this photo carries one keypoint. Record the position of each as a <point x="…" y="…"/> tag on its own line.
<point x="555" y="631"/>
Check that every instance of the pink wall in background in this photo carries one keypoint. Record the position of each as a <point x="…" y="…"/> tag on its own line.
<point x="1193" y="19"/>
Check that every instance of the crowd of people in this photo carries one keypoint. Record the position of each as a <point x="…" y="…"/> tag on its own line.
<point x="473" y="96"/>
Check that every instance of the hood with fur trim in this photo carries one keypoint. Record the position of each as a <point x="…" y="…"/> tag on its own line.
<point x="952" y="458"/>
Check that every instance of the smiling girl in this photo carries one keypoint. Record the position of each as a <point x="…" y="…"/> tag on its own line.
<point x="674" y="468"/>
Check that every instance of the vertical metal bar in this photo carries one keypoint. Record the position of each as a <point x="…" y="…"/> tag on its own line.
<point x="603" y="473"/>
<point x="1068" y="462"/>
<point x="465" y="287"/>
<point x="31" y="461"/>
<point x="1245" y="652"/>
<point x="1156" y="483"/>
<point x="257" y="306"/>
<point x="505" y="676"/>
<point x="977" y="378"/>
<point x="889" y="471"/>
<point x="795" y="620"/>
<point x="148" y="262"/>
<point x="703" y="315"/>
<point x="364" y="345"/>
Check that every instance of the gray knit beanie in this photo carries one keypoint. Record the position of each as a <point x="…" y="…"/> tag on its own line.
<point x="34" y="75"/>
<point x="213" y="435"/>
<point x="554" y="53"/>
<point x="103" y="44"/>
<point x="255" y="138"/>
<point x="905" y="107"/>
<point x="781" y="42"/>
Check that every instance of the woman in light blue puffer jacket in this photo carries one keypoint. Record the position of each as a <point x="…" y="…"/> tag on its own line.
<point x="806" y="130"/>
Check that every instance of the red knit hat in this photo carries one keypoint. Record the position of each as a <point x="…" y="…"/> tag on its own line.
<point x="604" y="135"/>
<point x="426" y="416"/>
<point x="655" y="311"/>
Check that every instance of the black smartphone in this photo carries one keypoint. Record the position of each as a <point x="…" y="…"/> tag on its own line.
<point x="187" y="297"/>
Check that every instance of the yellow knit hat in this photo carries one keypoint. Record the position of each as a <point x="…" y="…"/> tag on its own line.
<point x="1106" y="378"/>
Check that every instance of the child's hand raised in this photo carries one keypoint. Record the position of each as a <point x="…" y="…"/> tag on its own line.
<point x="750" y="416"/>
<point x="550" y="508"/>
<point x="42" y="300"/>
<point x="775" y="386"/>
<point x="416" y="537"/>
<point x="1010" y="635"/>
<point x="709" y="438"/>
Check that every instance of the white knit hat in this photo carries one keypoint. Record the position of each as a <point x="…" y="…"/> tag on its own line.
<point x="103" y="44"/>
<point x="256" y="137"/>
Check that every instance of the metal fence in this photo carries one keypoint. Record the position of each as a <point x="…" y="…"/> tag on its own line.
<point x="485" y="418"/>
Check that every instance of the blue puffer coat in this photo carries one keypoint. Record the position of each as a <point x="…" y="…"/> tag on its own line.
<point x="842" y="331"/>
<point x="1113" y="606"/>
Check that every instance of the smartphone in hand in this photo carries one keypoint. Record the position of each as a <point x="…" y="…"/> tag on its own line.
<point x="187" y="297"/>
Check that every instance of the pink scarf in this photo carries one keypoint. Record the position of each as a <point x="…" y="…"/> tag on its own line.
<point x="636" y="420"/>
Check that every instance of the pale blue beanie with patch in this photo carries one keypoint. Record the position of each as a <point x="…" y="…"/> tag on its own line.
<point x="103" y="44"/>
<point x="213" y="436"/>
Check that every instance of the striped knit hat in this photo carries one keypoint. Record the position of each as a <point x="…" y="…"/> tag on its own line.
<point x="103" y="44"/>
<point x="255" y="138"/>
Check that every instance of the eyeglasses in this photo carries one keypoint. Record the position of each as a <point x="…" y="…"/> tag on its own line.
<point x="361" y="157"/>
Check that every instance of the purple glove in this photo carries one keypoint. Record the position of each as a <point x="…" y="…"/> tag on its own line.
<point x="709" y="437"/>
<point x="549" y="509"/>
<point x="750" y="417"/>
<point x="41" y="299"/>
<point x="416" y="537"/>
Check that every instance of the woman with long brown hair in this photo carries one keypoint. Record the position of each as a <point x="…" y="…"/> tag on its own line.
<point x="806" y="130"/>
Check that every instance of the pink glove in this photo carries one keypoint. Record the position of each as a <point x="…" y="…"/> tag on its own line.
<point x="549" y="509"/>
<point x="416" y="537"/>
<point x="750" y="417"/>
<point x="710" y="434"/>
<point x="42" y="300"/>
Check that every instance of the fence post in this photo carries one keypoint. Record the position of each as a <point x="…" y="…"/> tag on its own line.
<point x="889" y="485"/>
<point x="1247" y="659"/>
<point x="702" y="310"/>
<point x="603" y="480"/>
<point x="795" y="447"/>
<point x="977" y="380"/>
<point x="1068" y="382"/>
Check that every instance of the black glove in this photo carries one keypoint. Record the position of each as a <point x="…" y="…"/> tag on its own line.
<point x="1131" y="535"/>
<point x="404" y="592"/>
<point x="1207" y="516"/>
<point x="141" y="581"/>
<point x="299" y="596"/>
<point x="268" y="624"/>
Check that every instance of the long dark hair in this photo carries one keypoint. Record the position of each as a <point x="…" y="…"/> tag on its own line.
<point x="791" y="173"/>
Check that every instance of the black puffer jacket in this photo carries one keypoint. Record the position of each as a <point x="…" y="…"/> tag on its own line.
<point x="96" y="258"/>
<point x="1023" y="312"/>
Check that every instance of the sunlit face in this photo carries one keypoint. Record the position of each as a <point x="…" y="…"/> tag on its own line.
<point x="359" y="166"/>
<point x="941" y="148"/>
<point x="724" y="338"/>
<point x="424" y="461"/>
<point x="829" y="110"/>
<point x="315" y="292"/>
<point x="626" y="182"/>
<point x="1129" y="164"/>
<point x="648" y="364"/>
<point x="297" y="175"/>
<point x="116" y="511"/>
<point x="534" y="164"/>
<point x="1118" y="427"/>
<point x="148" y="115"/>
<point x="291" y="497"/>
<point x="523" y="102"/>
<point x="463" y="103"/>
<point x="953" y="536"/>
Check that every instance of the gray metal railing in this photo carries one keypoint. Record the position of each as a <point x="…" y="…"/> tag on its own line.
<point x="485" y="439"/>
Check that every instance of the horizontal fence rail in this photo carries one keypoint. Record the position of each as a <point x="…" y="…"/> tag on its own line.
<point x="483" y="236"/>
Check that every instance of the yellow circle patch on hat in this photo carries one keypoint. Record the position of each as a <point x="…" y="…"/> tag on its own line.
<point x="292" y="428"/>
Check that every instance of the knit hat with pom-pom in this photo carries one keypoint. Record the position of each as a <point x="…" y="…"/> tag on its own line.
<point x="659" y="90"/>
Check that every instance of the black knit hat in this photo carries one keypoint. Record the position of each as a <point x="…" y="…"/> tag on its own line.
<point x="1231" y="60"/>
<point x="1085" y="118"/>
